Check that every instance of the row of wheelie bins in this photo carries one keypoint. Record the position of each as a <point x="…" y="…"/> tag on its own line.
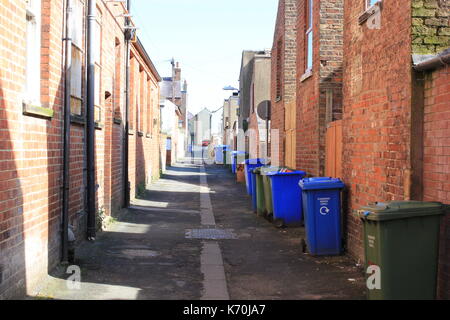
<point x="401" y="238"/>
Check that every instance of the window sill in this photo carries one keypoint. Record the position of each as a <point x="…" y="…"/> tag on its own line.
<point x="77" y="119"/>
<point x="37" y="111"/>
<point x="117" y="121"/>
<point x="308" y="74"/>
<point x="148" y="135"/>
<point x="98" y="125"/>
<point x="369" y="12"/>
<point x="130" y="132"/>
<point x="140" y="133"/>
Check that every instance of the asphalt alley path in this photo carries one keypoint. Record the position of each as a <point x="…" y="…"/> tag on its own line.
<point x="193" y="236"/>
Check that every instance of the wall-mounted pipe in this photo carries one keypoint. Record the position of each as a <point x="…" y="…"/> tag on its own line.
<point x="127" y="36"/>
<point x="66" y="131"/>
<point x="441" y="60"/>
<point x="90" y="123"/>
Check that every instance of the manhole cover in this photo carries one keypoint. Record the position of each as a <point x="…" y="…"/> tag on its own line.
<point x="210" y="234"/>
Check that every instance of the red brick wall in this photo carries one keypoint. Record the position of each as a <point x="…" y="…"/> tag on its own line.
<point x="31" y="146"/>
<point x="30" y="153"/>
<point x="144" y="143"/>
<point x="284" y="54"/>
<point x="377" y="111"/>
<point x="436" y="176"/>
<point x="326" y="75"/>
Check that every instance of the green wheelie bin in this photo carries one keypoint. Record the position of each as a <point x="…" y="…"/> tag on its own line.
<point x="268" y="189"/>
<point x="401" y="242"/>
<point x="260" y="196"/>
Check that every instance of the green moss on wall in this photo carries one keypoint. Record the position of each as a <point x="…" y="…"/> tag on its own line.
<point x="430" y="26"/>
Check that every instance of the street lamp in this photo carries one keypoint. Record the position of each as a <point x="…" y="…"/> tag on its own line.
<point x="230" y="88"/>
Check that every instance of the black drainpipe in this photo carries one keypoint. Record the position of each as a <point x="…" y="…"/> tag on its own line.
<point x="66" y="153"/>
<point x="128" y="36"/>
<point x="441" y="60"/>
<point x="90" y="124"/>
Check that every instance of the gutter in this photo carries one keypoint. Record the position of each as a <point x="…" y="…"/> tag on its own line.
<point x="140" y="48"/>
<point x="430" y="62"/>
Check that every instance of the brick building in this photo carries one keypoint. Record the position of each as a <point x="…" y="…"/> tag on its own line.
<point x="371" y="107"/>
<point x="284" y="81"/>
<point x="254" y="84"/>
<point x="319" y="74"/>
<point x="395" y="119"/>
<point x="32" y="58"/>
<point x="229" y="120"/>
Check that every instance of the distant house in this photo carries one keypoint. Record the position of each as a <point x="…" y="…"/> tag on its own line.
<point x="174" y="90"/>
<point x="230" y="119"/>
<point x="254" y="87"/>
<point x="200" y="127"/>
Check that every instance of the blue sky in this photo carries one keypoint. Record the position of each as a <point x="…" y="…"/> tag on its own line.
<point x="207" y="37"/>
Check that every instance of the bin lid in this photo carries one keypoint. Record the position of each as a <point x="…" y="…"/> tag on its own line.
<point x="255" y="161"/>
<point x="286" y="173"/>
<point x="267" y="169"/>
<point x="382" y="211"/>
<point x="257" y="170"/>
<point x="321" y="183"/>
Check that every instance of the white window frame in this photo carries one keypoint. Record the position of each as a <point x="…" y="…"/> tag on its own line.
<point x="370" y="3"/>
<point x="97" y="57"/>
<point x="32" y="93"/>
<point x="76" y="91"/>
<point x="309" y="36"/>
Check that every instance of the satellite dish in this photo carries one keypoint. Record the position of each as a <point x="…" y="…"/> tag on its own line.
<point x="263" y="110"/>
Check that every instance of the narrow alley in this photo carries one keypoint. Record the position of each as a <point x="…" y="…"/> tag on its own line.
<point x="192" y="236"/>
<point x="224" y="151"/>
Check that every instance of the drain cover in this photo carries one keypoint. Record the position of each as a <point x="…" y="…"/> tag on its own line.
<point x="210" y="234"/>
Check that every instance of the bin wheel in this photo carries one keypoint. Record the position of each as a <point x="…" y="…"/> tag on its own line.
<point x="279" y="223"/>
<point x="269" y="217"/>
<point x="303" y="245"/>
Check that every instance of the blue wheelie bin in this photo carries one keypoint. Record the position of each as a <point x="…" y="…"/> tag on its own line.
<point x="286" y="197"/>
<point x="218" y="151"/>
<point x="237" y="157"/>
<point x="322" y="209"/>
<point x="249" y="165"/>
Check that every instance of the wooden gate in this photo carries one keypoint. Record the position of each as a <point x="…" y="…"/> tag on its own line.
<point x="333" y="150"/>
<point x="290" y="142"/>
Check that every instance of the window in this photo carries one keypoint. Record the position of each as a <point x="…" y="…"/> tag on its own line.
<point x="33" y="52"/>
<point x="142" y="102"/>
<point x="117" y="79"/>
<point x="149" y="106"/>
<point x="133" y="88"/>
<point x="76" y="99"/>
<point x="370" y="3"/>
<point x="278" y="69"/>
<point x="97" y="60"/>
<point x="309" y="35"/>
